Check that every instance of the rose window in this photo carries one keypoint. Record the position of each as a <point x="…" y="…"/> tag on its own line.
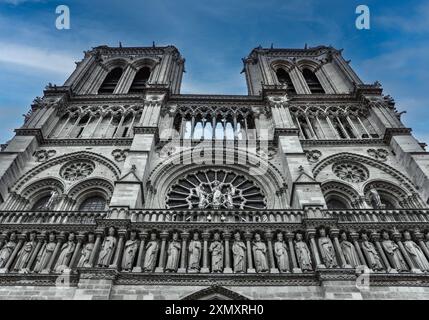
<point x="215" y="189"/>
<point x="350" y="172"/>
<point x="77" y="170"/>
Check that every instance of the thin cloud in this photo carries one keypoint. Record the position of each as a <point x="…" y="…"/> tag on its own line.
<point x="36" y="58"/>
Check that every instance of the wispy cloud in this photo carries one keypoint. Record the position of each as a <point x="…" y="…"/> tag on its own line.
<point x="415" y="22"/>
<point x="36" y="58"/>
<point x="18" y="2"/>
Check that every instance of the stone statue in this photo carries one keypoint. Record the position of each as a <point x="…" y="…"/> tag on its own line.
<point x="107" y="249"/>
<point x="67" y="250"/>
<point x="50" y="204"/>
<point x="280" y="251"/>
<point x="372" y="256"/>
<point x="86" y="252"/>
<point x="151" y="254"/>
<point x="349" y="251"/>
<point x="415" y="252"/>
<point x="202" y="197"/>
<point x="7" y="250"/>
<point x="303" y="253"/>
<point x="194" y="253"/>
<point x="173" y="253"/>
<point x="393" y="253"/>
<point x="24" y="254"/>
<point x="327" y="250"/>
<point x="375" y="198"/>
<point x="217" y="195"/>
<point x="45" y="253"/>
<point x="239" y="254"/>
<point x="229" y="201"/>
<point x="216" y="249"/>
<point x="130" y="250"/>
<point x="260" y="254"/>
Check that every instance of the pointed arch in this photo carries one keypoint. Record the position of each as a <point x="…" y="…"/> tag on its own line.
<point x="215" y="293"/>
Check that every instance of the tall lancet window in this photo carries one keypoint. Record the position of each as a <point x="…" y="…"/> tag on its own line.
<point x="312" y="81"/>
<point x="111" y="81"/>
<point x="284" y="78"/>
<point x="140" y="80"/>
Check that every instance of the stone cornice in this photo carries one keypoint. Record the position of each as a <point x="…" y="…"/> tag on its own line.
<point x="390" y="132"/>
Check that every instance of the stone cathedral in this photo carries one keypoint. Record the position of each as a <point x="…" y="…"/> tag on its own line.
<point x="117" y="186"/>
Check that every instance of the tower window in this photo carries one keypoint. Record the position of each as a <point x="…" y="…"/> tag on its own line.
<point x="312" y="81"/>
<point x="140" y="80"/>
<point x="96" y="203"/>
<point x="284" y="78"/>
<point x="111" y="81"/>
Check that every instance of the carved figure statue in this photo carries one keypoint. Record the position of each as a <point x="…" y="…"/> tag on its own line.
<point x="415" y="252"/>
<point x="393" y="253"/>
<point x="229" y="201"/>
<point x="130" y="250"/>
<point x="67" y="250"/>
<point x="372" y="256"/>
<point x="7" y="250"/>
<point x="194" y="253"/>
<point x="217" y="195"/>
<point x="303" y="253"/>
<point x="202" y="197"/>
<point x="239" y="254"/>
<point x="50" y="204"/>
<point x="349" y="251"/>
<point x="375" y="198"/>
<point x="327" y="250"/>
<point x="173" y="253"/>
<point x="45" y="253"/>
<point x="280" y="251"/>
<point x="152" y="248"/>
<point x="107" y="249"/>
<point x="216" y="249"/>
<point x="86" y="252"/>
<point x="260" y="254"/>
<point x="24" y="254"/>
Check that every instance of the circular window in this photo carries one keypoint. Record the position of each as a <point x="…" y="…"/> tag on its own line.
<point x="350" y="172"/>
<point x="77" y="170"/>
<point x="215" y="189"/>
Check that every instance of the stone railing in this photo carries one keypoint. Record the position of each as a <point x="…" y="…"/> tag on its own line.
<point x="381" y="216"/>
<point x="50" y="217"/>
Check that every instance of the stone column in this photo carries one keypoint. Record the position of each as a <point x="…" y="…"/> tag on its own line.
<point x="80" y="237"/>
<point x="40" y="239"/>
<point x="118" y="254"/>
<point x="376" y="238"/>
<point x="310" y="235"/>
<point x="97" y="244"/>
<point x="227" y="249"/>
<point x="248" y="237"/>
<point x="397" y="237"/>
<point x="185" y="237"/>
<point x="139" y="265"/>
<point x="334" y="234"/>
<point x="205" y="268"/>
<point x="295" y="267"/>
<point x="21" y="239"/>
<point x="269" y="237"/>
<point x="160" y="268"/>
<point x="60" y="239"/>
<point x="355" y="236"/>
<point x="419" y="238"/>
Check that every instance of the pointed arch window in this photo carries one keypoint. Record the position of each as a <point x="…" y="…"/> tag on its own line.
<point x="96" y="203"/>
<point x="140" y="80"/>
<point x="111" y="81"/>
<point x="312" y="81"/>
<point x="41" y="204"/>
<point x="284" y="78"/>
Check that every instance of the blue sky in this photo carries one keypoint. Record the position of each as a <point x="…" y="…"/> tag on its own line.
<point x="213" y="36"/>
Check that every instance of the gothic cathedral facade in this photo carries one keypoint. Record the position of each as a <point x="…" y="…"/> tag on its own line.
<point x="117" y="186"/>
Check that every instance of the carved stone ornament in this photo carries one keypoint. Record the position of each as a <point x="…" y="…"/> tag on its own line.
<point x="120" y="154"/>
<point x="313" y="155"/>
<point x="350" y="172"/>
<point x="378" y="154"/>
<point x="43" y="155"/>
<point x="77" y="170"/>
<point x="216" y="189"/>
